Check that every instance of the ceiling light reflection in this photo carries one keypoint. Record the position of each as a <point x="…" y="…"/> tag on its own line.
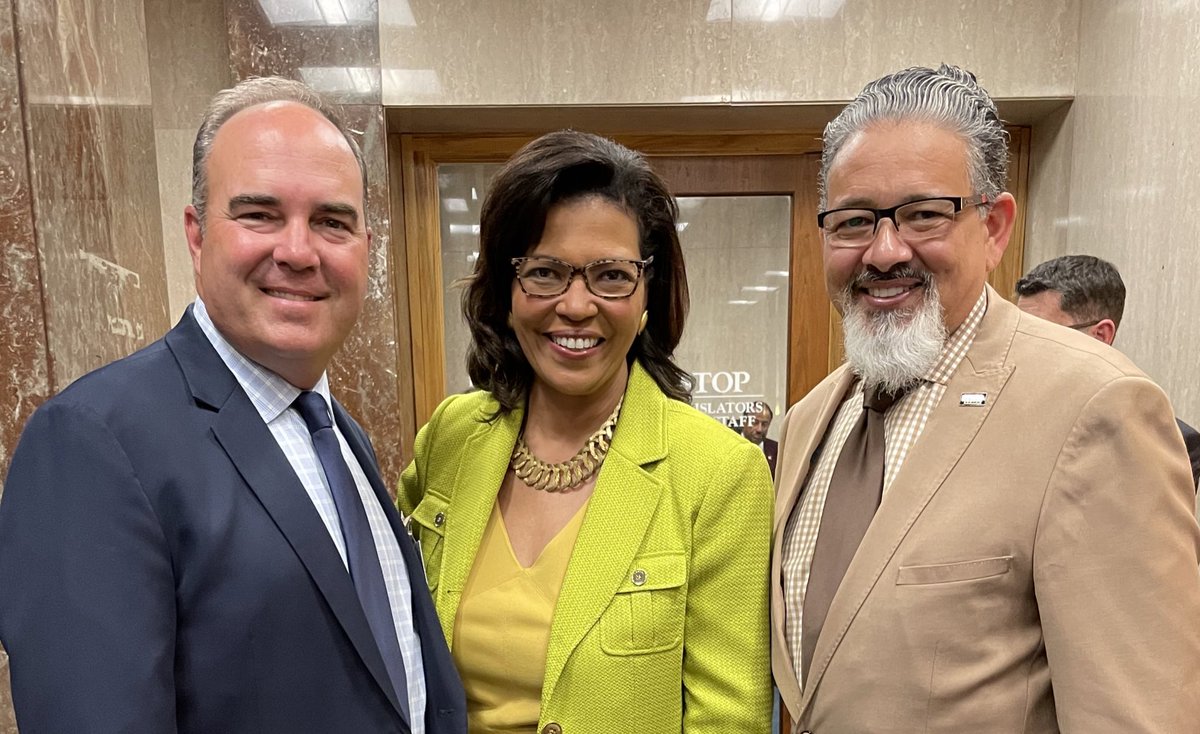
<point x="327" y="79"/>
<point x="770" y="11"/>
<point x="319" y="12"/>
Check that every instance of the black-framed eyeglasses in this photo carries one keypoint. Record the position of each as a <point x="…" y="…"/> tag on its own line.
<point x="915" y="221"/>
<point x="1086" y="325"/>
<point x="546" y="277"/>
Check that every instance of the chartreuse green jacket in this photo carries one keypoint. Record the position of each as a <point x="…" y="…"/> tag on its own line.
<point x="662" y="622"/>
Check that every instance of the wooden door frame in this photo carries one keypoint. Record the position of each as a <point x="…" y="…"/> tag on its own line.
<point x="416" y="233"/>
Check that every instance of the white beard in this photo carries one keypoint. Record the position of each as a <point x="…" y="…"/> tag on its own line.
<point x="892" y="349"/>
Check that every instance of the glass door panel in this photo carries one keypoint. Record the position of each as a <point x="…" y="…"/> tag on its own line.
<point x="735" y="344"/>
<point x="461" y="188"/>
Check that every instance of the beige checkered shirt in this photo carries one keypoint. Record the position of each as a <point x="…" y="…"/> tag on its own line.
<point x="902" y="427"/>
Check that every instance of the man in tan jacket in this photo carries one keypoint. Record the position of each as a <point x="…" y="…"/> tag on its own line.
<point x="984" y="522"/>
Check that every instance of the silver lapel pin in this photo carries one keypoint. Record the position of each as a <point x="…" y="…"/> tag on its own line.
<point x="973" y="399"/>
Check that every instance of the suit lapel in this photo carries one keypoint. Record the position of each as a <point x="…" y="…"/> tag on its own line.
<point x="948" y="433"/>
<point x="802" y="435"/>
<point x="252" y="449"/>
<point x="614" y="525"/>
<point x="433" y="650"/>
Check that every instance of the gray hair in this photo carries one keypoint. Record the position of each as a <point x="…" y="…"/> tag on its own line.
<point x="949" y="97"/>
<point x="248" y="93"/>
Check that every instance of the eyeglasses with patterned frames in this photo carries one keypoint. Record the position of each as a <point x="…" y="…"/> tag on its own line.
<point x="546" y="277"/>
<point x="915" y="221"/>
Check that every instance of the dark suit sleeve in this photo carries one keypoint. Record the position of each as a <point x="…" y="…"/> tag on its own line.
<point x="1191" y="439"/>
<point x="87" y="611"/>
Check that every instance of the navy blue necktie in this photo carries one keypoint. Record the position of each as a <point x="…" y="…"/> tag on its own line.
<point x="361" y="555"/>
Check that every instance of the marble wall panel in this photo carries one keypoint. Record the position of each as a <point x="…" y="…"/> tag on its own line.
<point x="334" y="47"/>
<point x="479" y="52"/>
<point x="95" y="195"/>
<point x="83" y="52"/>
<point x="174" y="164"/>
<point x="801" y="50"/>
<point x="474" y="52"/>
<point x="1134" y="177"/>
<point x="364" y="372"/>
<point x="24" y="382"/>
<point x="189" y="59"/>
<point x="90" y="138"/>
<point x="189" y="63"/>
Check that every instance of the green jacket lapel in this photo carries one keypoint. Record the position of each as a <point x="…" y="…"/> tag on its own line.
<point x="476" y="485"/>
<point x="618" y="515"/>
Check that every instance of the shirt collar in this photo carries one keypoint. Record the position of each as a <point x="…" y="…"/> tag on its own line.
<point x="958" y="343"/>
<point x="268" y="392"/>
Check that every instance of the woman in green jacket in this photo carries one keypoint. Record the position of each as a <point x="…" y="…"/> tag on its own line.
<point x="597" y="548"/>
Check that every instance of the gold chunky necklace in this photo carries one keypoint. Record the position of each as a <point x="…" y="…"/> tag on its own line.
<point x="568" y="474"/>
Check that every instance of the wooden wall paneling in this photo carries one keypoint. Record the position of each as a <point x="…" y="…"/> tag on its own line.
<point x="1004" y="278"/>
<point x="405" y="383"/>
<point x="808" y="339"/>
<point x="422" y="240"/>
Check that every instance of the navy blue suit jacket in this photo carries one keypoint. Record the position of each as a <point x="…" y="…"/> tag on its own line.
<point x="162" y="568"/>
<point x="1191" y="439"/>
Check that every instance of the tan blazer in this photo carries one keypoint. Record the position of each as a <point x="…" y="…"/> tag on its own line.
<point x="1033" y="567"/>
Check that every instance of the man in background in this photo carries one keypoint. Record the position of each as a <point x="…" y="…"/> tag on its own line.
<point x="984" y="522"/>
<point x="1087" y="294"/>
<point x="754" y="429"/>
<point x="196" y="538"/>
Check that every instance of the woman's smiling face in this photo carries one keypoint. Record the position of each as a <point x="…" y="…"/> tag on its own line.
<point x="577" y="342"/>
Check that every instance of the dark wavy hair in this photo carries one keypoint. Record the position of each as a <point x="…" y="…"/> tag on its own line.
<point x="557" y="168"/>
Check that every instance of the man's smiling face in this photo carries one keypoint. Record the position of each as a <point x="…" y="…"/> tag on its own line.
<point x="281" y="260"/>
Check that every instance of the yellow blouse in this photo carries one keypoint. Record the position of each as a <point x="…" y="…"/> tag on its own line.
<point x="502" y="629"/>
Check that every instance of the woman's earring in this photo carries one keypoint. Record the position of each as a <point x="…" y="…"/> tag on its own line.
<point x="510" y="320"/>
<point x="645" y="318"/>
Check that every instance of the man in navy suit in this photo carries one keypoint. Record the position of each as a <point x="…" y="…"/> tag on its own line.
<point x="196" y="538"/>
<point x="1086" y="293"/>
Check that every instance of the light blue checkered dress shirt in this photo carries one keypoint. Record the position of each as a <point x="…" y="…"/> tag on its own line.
<point x="272" y="397"/>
